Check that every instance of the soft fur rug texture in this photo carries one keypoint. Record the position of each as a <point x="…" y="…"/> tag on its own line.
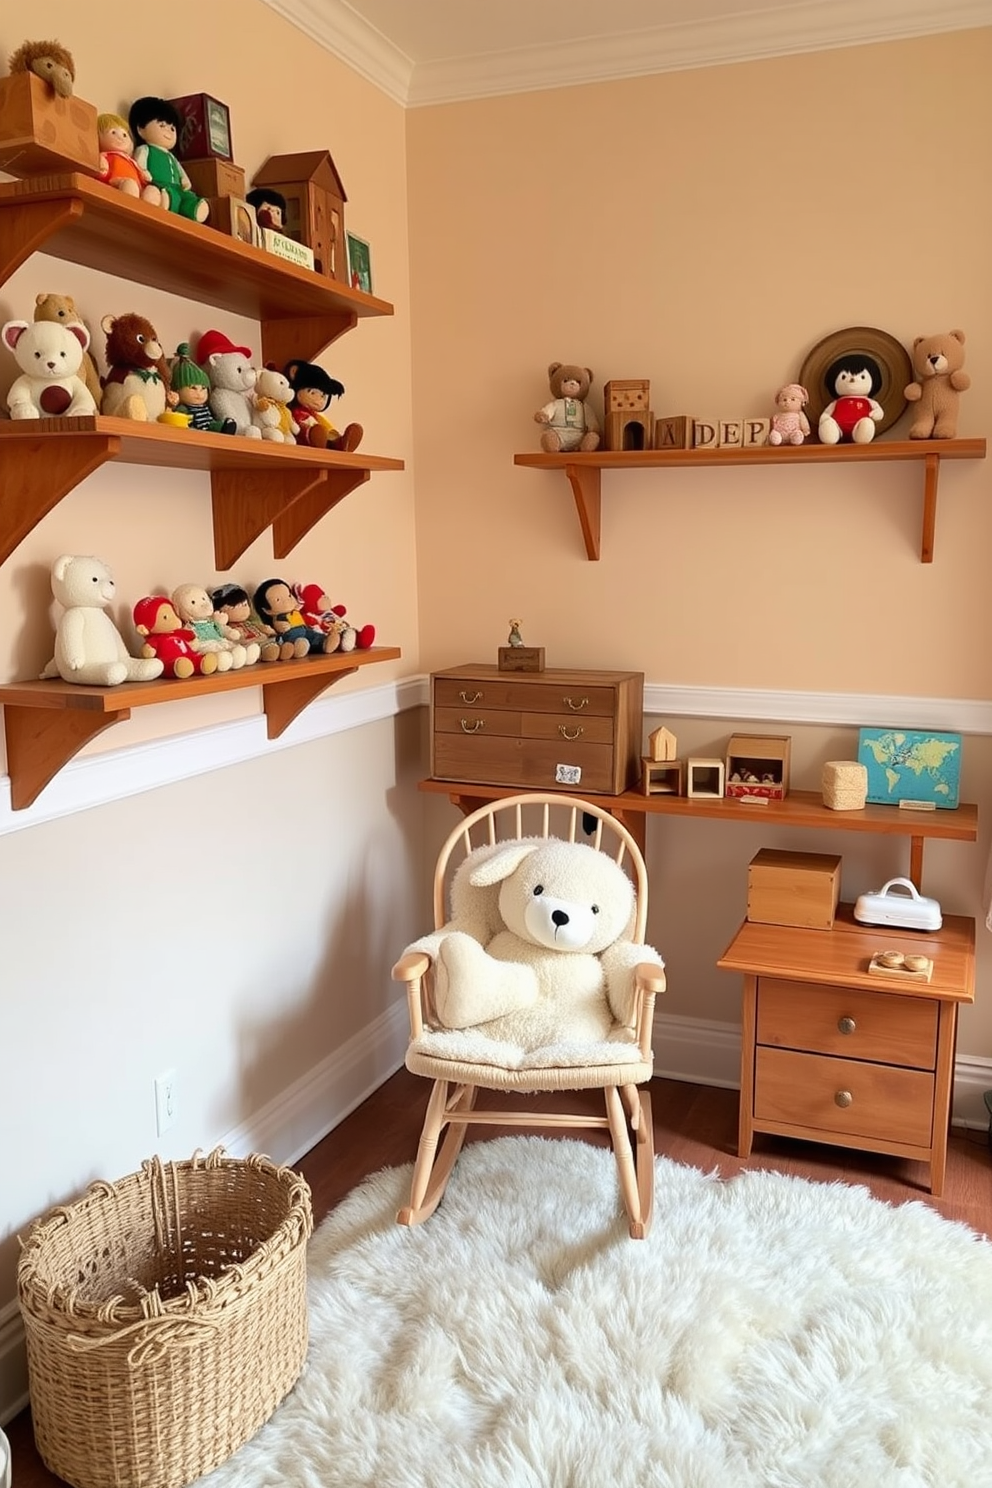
<point x="769" y="1332"/>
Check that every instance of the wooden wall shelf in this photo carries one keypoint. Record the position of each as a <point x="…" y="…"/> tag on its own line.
<point x="799" y="809"/>
<point x="254" y="484"/>
<point x="47" y="723"/>
<point x="76" y="218"/>
<point x="583" y="470"/>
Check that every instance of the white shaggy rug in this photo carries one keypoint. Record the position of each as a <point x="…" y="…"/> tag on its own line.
<point x="769" y="1332"/>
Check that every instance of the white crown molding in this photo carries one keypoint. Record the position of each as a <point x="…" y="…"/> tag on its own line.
<point x="814" y="25"/>
<point x="95" y="780"/>
<point x="340" y="30"/>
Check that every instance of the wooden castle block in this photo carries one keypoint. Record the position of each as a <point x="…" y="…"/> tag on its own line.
<point x="662" y="777"/>
<point x="662" y="744"/>
<point x="623" y="394"/>
<point x="630" y="430"/>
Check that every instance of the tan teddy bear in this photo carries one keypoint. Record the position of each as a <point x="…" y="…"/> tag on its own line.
<point x="570" y="423"/>
<point x="62" y="310"/>
<point x="937" y="362"/>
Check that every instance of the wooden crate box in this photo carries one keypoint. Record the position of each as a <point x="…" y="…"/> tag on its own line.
<point x="793" y="888"/>
<point x="758" y="766"/>
<point x="41" y="132"/>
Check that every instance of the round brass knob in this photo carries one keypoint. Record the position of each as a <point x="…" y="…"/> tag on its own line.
<point x="847" y="1025"/>
<point x="843" y="1098"/>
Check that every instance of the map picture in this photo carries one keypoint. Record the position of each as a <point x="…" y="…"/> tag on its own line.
<point x="909" y="765"/>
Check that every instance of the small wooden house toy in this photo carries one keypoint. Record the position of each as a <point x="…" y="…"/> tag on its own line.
<point x="315" y="201"/>
<point x="628" y="417"/>
<point x="758" y="767"/>
<point x="662" y="745"/>
<point x="705" y="779"/>
<point x="662" y="777"/>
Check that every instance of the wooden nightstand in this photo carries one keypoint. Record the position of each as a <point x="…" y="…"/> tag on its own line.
<point x="832" y="1054"/>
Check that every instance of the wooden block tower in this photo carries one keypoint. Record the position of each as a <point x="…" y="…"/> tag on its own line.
<point x="629" y="420"/>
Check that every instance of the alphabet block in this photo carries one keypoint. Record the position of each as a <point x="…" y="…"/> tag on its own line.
<point x="673" y="433"/>
<point x="756" y="432"/>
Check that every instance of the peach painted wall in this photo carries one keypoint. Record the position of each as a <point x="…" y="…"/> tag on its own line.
<point x="703" y="229"/>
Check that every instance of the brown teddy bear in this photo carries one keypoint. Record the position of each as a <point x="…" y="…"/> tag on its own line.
<point x="570" y="423"/>
<point x="62" y="310"/>
<point x="138" y="383"/>
<point x="937" y="362"/>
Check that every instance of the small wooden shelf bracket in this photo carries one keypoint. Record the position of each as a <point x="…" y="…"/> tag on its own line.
<point x="585" y="483"/>
<point x="35" y="474"/>
<point x="40" y="741"/>
<point x="931" y="474"/>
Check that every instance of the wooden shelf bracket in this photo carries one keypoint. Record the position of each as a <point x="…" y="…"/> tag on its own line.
<point x="40" y="741"/>
<point x="28" y="230"/>
<point x="35" y="474"/>
<point x="308" y="336"/>
<point x="315" y="502"/>
<point x="246" y="502"/>
<point x="931" y="474"/>
<point x="585" y="483"/>
<point x="284" y="700"/>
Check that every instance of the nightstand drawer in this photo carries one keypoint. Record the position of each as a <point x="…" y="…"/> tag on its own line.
<point x="844" y="1097"/>
<point x="514" y="725"/>
<point x="854" y="1025"/>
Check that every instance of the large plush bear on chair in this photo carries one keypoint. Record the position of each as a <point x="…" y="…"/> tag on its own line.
<point x="537" y="952"/>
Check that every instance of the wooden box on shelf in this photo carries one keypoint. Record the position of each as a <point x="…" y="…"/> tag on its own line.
<point x="704" y="778"/>
<point x="793" y="888"/>
<point x="577" y="730"/>
<point x="41" y="132"/>
<point x="760" y="763"/>
<point x="665" y="777"/>
<point x="215" y="177"/>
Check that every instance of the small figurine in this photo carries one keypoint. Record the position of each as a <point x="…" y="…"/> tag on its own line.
<point x="48" y="60"/>
<point x="515" y="638"/>
<point x="270" y="207"/>
<point x="156" y="123"/>
<point x="137" y="384"/>
<point x="277" y="605"/>
<point x="165" y="637"/>
<point x="233" y="609"/>
<point x="192" y="385"/>
<point x="851" y="382"/>
<point x="313" y="389"/>
<point x="118" y="167"/>
<point x="789" y="424"/>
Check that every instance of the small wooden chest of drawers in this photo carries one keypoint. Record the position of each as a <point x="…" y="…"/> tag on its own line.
<point x="829" y="1054"/>
<point x="567" y="730"/>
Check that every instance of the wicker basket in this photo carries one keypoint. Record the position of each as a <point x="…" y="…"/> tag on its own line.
<point x="166" y="1318"/>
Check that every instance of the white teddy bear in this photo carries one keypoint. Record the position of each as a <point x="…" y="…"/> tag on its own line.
<point x="538" y="951"/>
<point x="88" y="646"/>
<point x="49" y="355"/>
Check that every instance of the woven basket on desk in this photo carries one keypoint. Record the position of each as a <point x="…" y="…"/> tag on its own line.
<point x="166" y="1318"/>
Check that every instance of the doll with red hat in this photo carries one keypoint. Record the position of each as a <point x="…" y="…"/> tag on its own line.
<point x="164" y="635"/>
<point x="232" y="380"/>
<point x="318" y="612"/>
<point x="313" y="389"/>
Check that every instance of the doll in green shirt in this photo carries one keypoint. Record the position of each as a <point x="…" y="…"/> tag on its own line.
<point x="155" y="123"/>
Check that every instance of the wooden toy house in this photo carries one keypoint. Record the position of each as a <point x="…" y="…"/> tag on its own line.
<point x="757" y="767"/>
<point x="315" y="201"/>
<point x="628" y="417"/>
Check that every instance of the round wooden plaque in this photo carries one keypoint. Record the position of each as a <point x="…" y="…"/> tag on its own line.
<point x="891" y="356"/>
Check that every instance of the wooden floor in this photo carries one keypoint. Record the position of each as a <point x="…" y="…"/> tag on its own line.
<point x="693" y="1124"/>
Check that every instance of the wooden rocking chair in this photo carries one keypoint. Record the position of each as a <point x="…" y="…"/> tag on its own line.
<point x="451" y="1108"/>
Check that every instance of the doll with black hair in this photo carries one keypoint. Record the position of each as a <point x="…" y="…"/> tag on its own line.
<point x="235" y="609"/>
<point x="313" y="389"/>
<point x="851" y="383"/>
<point x="156" y="123"/>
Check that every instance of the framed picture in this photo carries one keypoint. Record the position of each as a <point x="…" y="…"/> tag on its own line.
<point x="911" y="767"/>
<point x="205" y="127"/>
<point x="235" y="216"/>
<point x="359" y="264"/>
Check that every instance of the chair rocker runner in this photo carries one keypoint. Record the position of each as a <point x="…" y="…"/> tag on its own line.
<point x="591" y="1030"/>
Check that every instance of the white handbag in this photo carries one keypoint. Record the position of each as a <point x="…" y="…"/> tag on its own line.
<point x="909" y="911"/>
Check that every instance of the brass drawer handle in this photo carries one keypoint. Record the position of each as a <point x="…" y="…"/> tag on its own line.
<point x="568" y="733"/>
<point x="843" y="1098"/>
<point x="475" y="698"/>
<point x="576" y="704"/>
<point x="473" y="728"/>
<point x="847" y="1025"/>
